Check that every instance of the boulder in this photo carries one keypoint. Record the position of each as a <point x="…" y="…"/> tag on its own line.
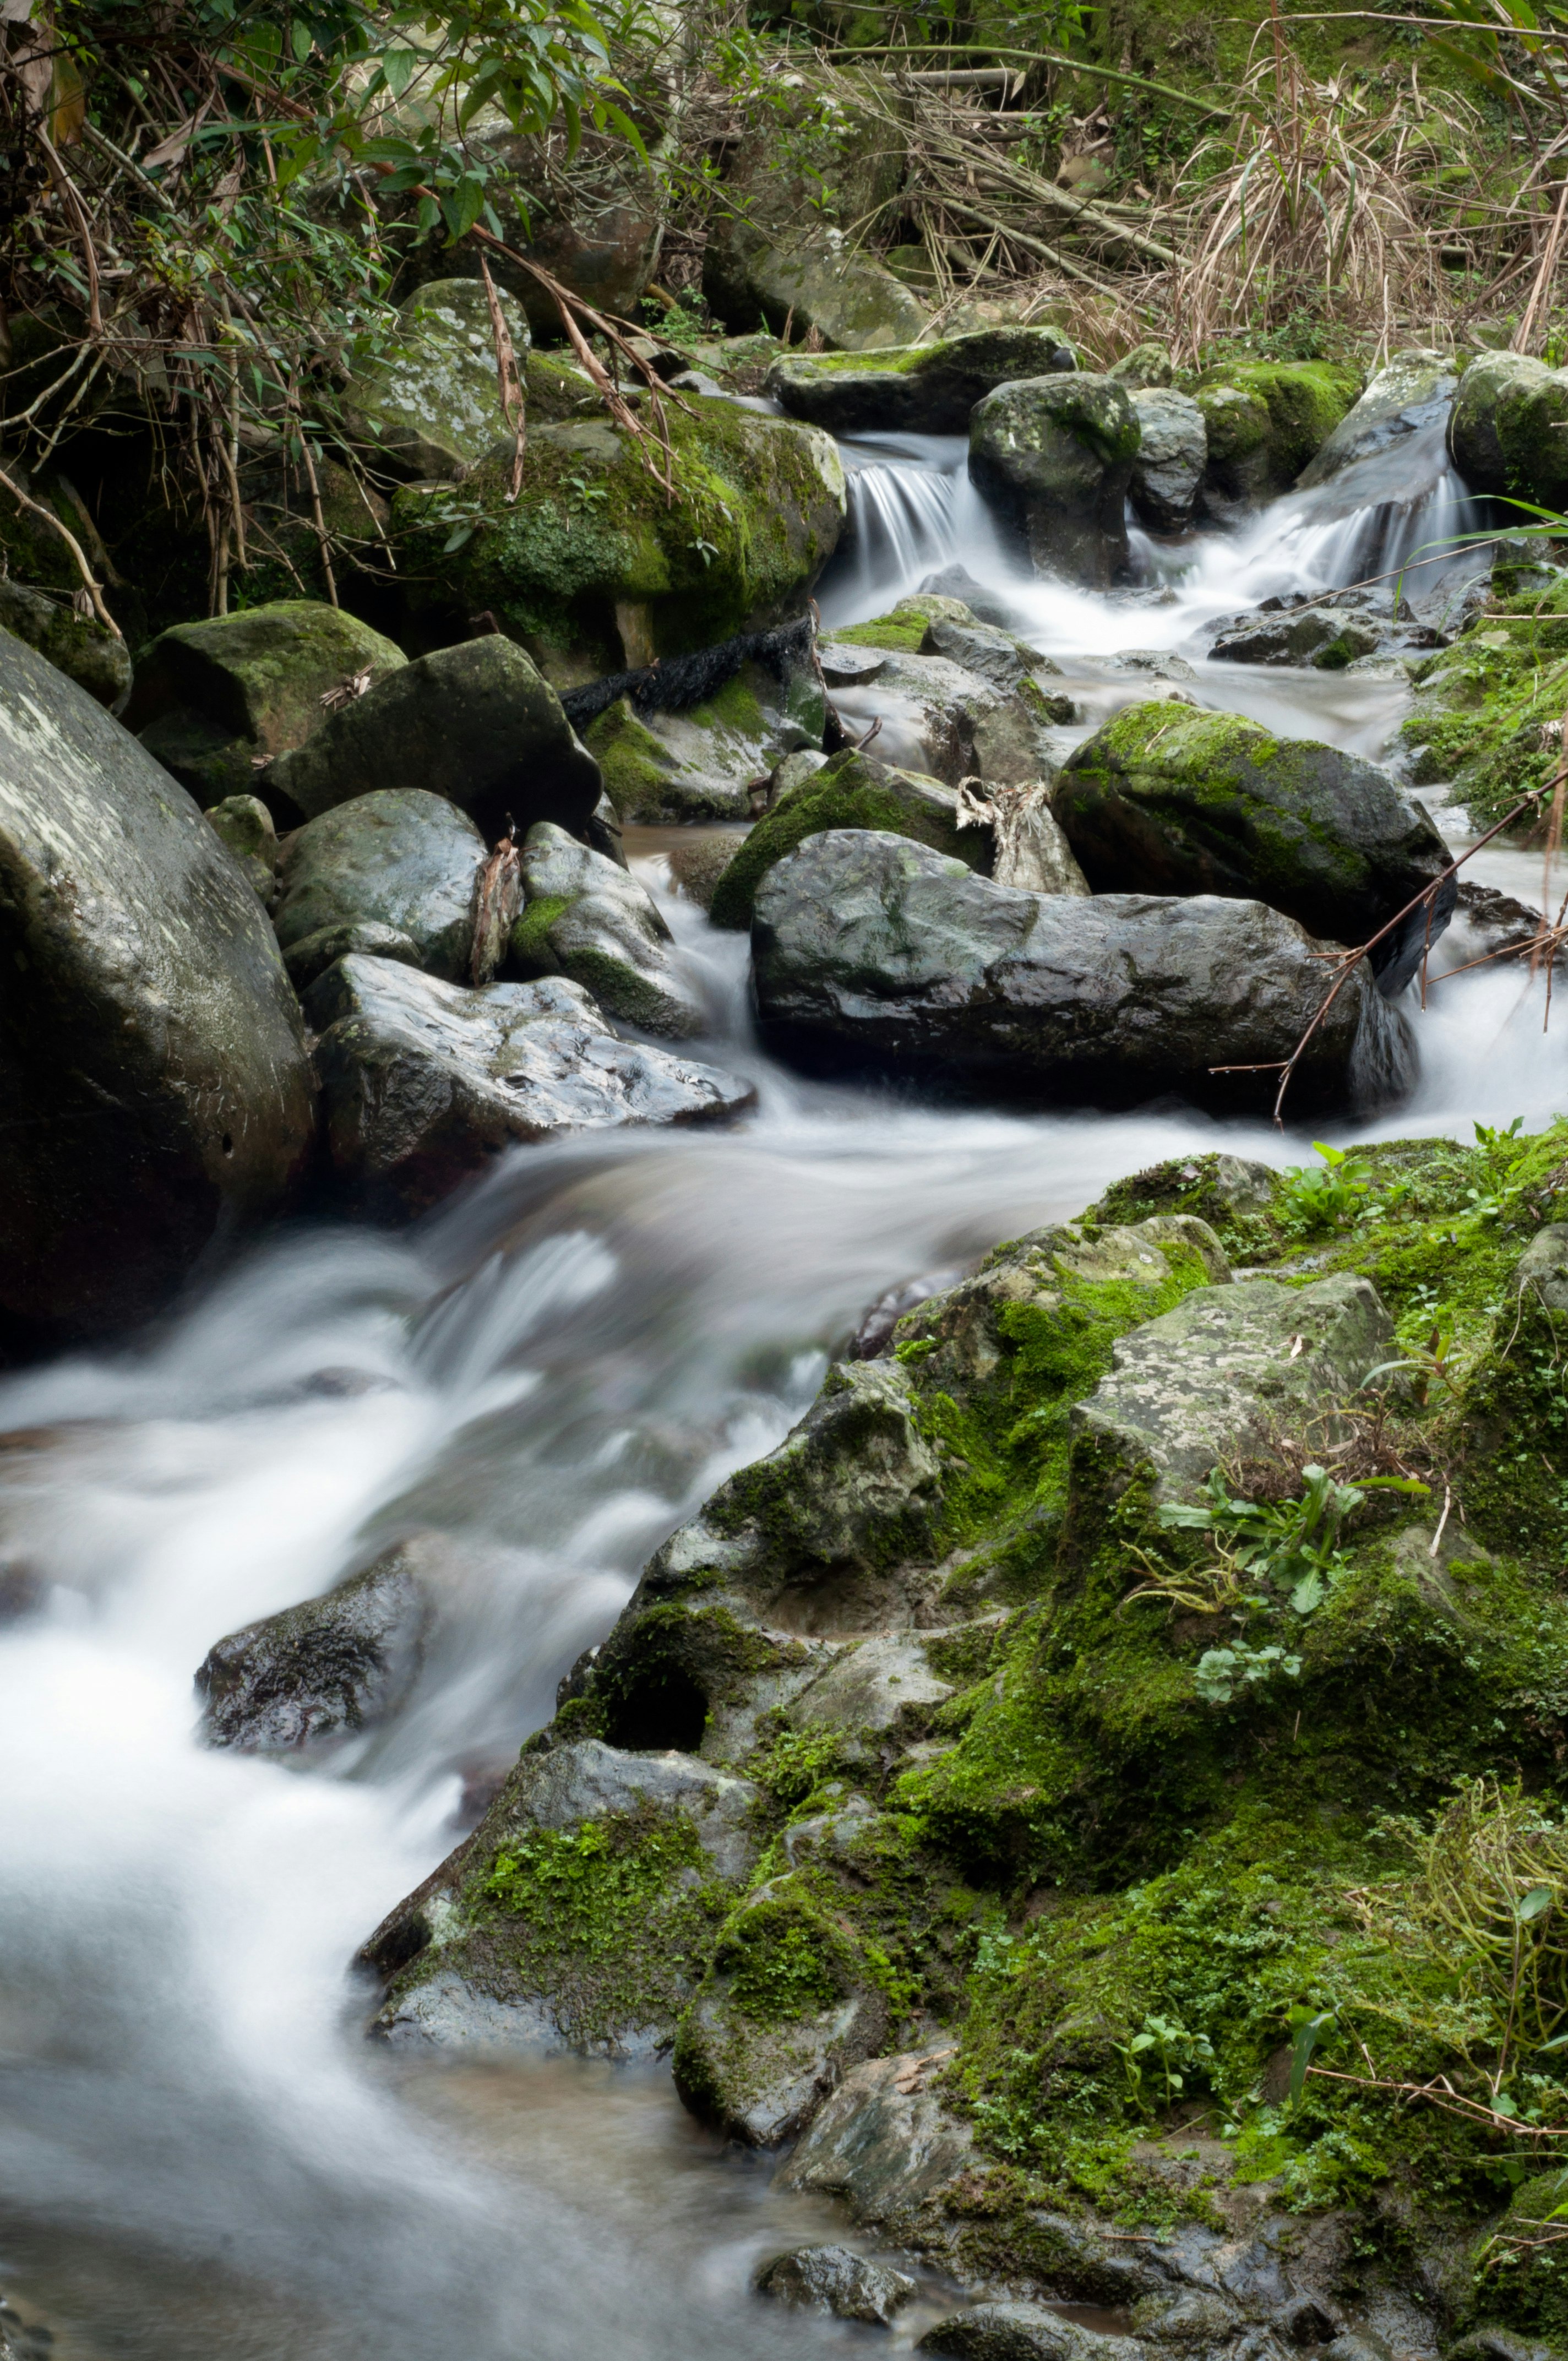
<point x="576" y="1915"/>
<point x="852" y="790"/>
<point x="74" y="644"/>
<point x="321" y="1670"/>
<point x="1023" y="2331"/>
<point x="1054" y="455"/>
<point x="872" y="950"/>
<point x="832" y="2279"/>
<point x="884" y="2143"/>
<point x="593" y="217"/>
<point x="157" y="1089"/>
<point x="916" y="389"/>
<point x="1264" y="421"/>
<point x="1145" y="365"/>
<point x="1231" y="1369"/>
<point x="759" y="2079"/>
<point x="935" y="715"/>
<point x="1327" y="638"/>
<point x="1208" y="803"/>
<point x="430" y="403"/>
<point x="585" y="918"/>
<point x="1506" y="435"/>
<point x="1173" y="452"/>
<point x="474" y="723"/>
<point x="422" y="1082"/>
<point x="214" y="701"/>
<point x="1410" y="396"/>
<point x="598" y="566"/>
<point x="703" y="761"/>
<point x="245" y="825"/>
<point x="399" y="859"/>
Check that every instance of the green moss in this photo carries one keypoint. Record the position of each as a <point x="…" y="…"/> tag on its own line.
<point x="635" y="764"/>
<point x="527" y="946"/>
<point x="1301" y="401"/>
<point x="852" y="791"/>
<point x="1490" y="705"/>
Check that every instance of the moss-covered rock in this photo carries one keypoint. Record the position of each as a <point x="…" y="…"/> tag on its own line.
<point x="1506" y="431"/>
<point x="1208" y="803"/>
<point x="430" y="404"/>
<point x="926" y="388"/>
<point x="705" y="761"/>
<point x="215" y="700"/>
<point x="852" y="790"/>
<point x="74" y="644"/>
<point x="1264" y="421"/>
<point x="585" y="918"/>
<point x="597" y="567"/>
<point x="1055" y="455"/>
<point x="1487" y="709"/>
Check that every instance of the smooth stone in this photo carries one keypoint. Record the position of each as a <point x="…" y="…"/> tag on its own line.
<point x="1173" y="452"/>
<point x="1054" y="455"/>
<point x="321" y="1670"/>
<point x="399" y="858"/>
<point x="883" y="2142"/>
<point x="587" y="918"/>
<point x="245" y="825"/>
<point x="832" y="2279"/>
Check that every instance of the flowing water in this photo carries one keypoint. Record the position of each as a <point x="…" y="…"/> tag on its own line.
<point x="201" y="2158"/>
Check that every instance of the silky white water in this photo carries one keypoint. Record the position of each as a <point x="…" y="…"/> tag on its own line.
<point x="200" y="2155"/>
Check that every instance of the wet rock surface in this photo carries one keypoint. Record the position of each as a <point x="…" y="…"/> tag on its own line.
<point x="833" y="2280"/>
<point x="432" y="403"/>
<point x="1503" y="432"/>
<point x="922" y="389"/>
<point x="586" y="918"/>
<point x="1055" y="455"/>
<point x="422" y="1082"/>
<point x="1409" y="396"/>
<point x="398" y="859"/>
<point x="1210" y="804"/>
<point x="153" y="1055"/>
<point x="322" y="1671"/>
<point x="874" y="950"/>
<point x="1172" y="455"/>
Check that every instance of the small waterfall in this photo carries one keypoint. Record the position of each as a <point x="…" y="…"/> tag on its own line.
<point x="912" y="511"/>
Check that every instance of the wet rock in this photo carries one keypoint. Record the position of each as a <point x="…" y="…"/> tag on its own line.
<point x="871" y="949"/>
<point x="587" y="918"/>
<point x="1022" y="2332"/>
<point x="1264" y="421"/>
<point x="422" y="1082"/>
<point x="917" y="388"/>
<point x="596" y="568"/>
<point x="1325" y="637"/>
<point x="827" y="285"/>
<point x="75" y="644"/>
<point x="1308" y="2320"/>
<point x="1230" y="1369"/>
<point x="936" y="716"/>
<point x="244" y="824"/>
<point x="1173" y="452"/>
<point x="986" y="606"/>
<point x="308" y="959"/>
<point x="755" y="2064"/>
<point x="883" y="2142"/>
<point x="157" y="1091"/>
<point x="214" y="701"/>
<point x="1054" y="455"/>
<point x="399" y="859"/>
<point x="430" y="406"/>
<point x="697" y="868"/>
<point x="995" y="655"/>
<point x="1188" y="2318"/>
<point x="702" y="761"/>
<point x="1486" y="923"/>
<point x="832" y="2279"/>
<point x="474" y="723"/>
<point x="1504" y="433"/>
<point x="852" y="790"/>
<point x="1412" y="393"/>
<point x="1208" y="803"/>
<point x="488" y="1952"/>
<point x="321" y="1670"/>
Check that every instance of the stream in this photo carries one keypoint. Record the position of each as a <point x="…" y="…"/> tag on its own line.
<point x="201" y="2158"/>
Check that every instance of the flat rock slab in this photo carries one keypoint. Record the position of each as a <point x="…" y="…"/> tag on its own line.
<point x="920" y="389"/>
<point x="870" y="949"/>
<point x="1233" y="1367"/>
<point x="424" y="1082"/>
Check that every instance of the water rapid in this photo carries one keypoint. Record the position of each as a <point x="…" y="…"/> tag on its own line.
<point x="201" y="2158"/>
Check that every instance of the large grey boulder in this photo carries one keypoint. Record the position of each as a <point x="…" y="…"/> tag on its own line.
<point x="477" y="723"/>
<point x="870" y="949"/>
<point x="813" y="275"/>
<point x="422" y="1082"/>
<point x="1506" y="434"/>
<point x="1328" y="637"/>
<point x="1409" y="398"/>
<point x="918" y="388"/>
<point x="431" y="403"/>
<point x="398" y="859"/>
<point x="1054" y="455"/>
<point x="1173" y="452"/>
<point x="1167" y="801"/>
<point x="1231" y="1369"/>
<point x="321" y="1670"/>
<point x="215" y="701"/>
<point x="157" y="1089"/>
<point x="585" y="918"/>
<point x="78" y="646"/>
<point x="884" y="2143"/>
<point x="937" y="716"/>
<point x="488" y="1951"/>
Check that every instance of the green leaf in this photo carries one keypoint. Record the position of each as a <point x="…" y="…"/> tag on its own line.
<point x="1538" y="1899"/>
<point x="1309" y="2031"/>
<point x="456" y="538"/>
<point x="398" y="67"/>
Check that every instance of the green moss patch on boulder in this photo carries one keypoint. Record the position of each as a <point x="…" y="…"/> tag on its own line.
<point x="1504" y="435"/>
<point x="1264" y="420"/>
<point x="1054" y="455"/>
<point x="706" y="761"/>
<point x="597" y="567"/>
<point x="926" y="388"/>
<point x="74" y="644"/>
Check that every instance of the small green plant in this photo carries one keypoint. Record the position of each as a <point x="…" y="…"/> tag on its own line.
<point x="1218" y="1669"/>
<point x="1177" y="2053"/>
<point x="1286" y="1544"/>
<point x="1329" y="1196"/>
